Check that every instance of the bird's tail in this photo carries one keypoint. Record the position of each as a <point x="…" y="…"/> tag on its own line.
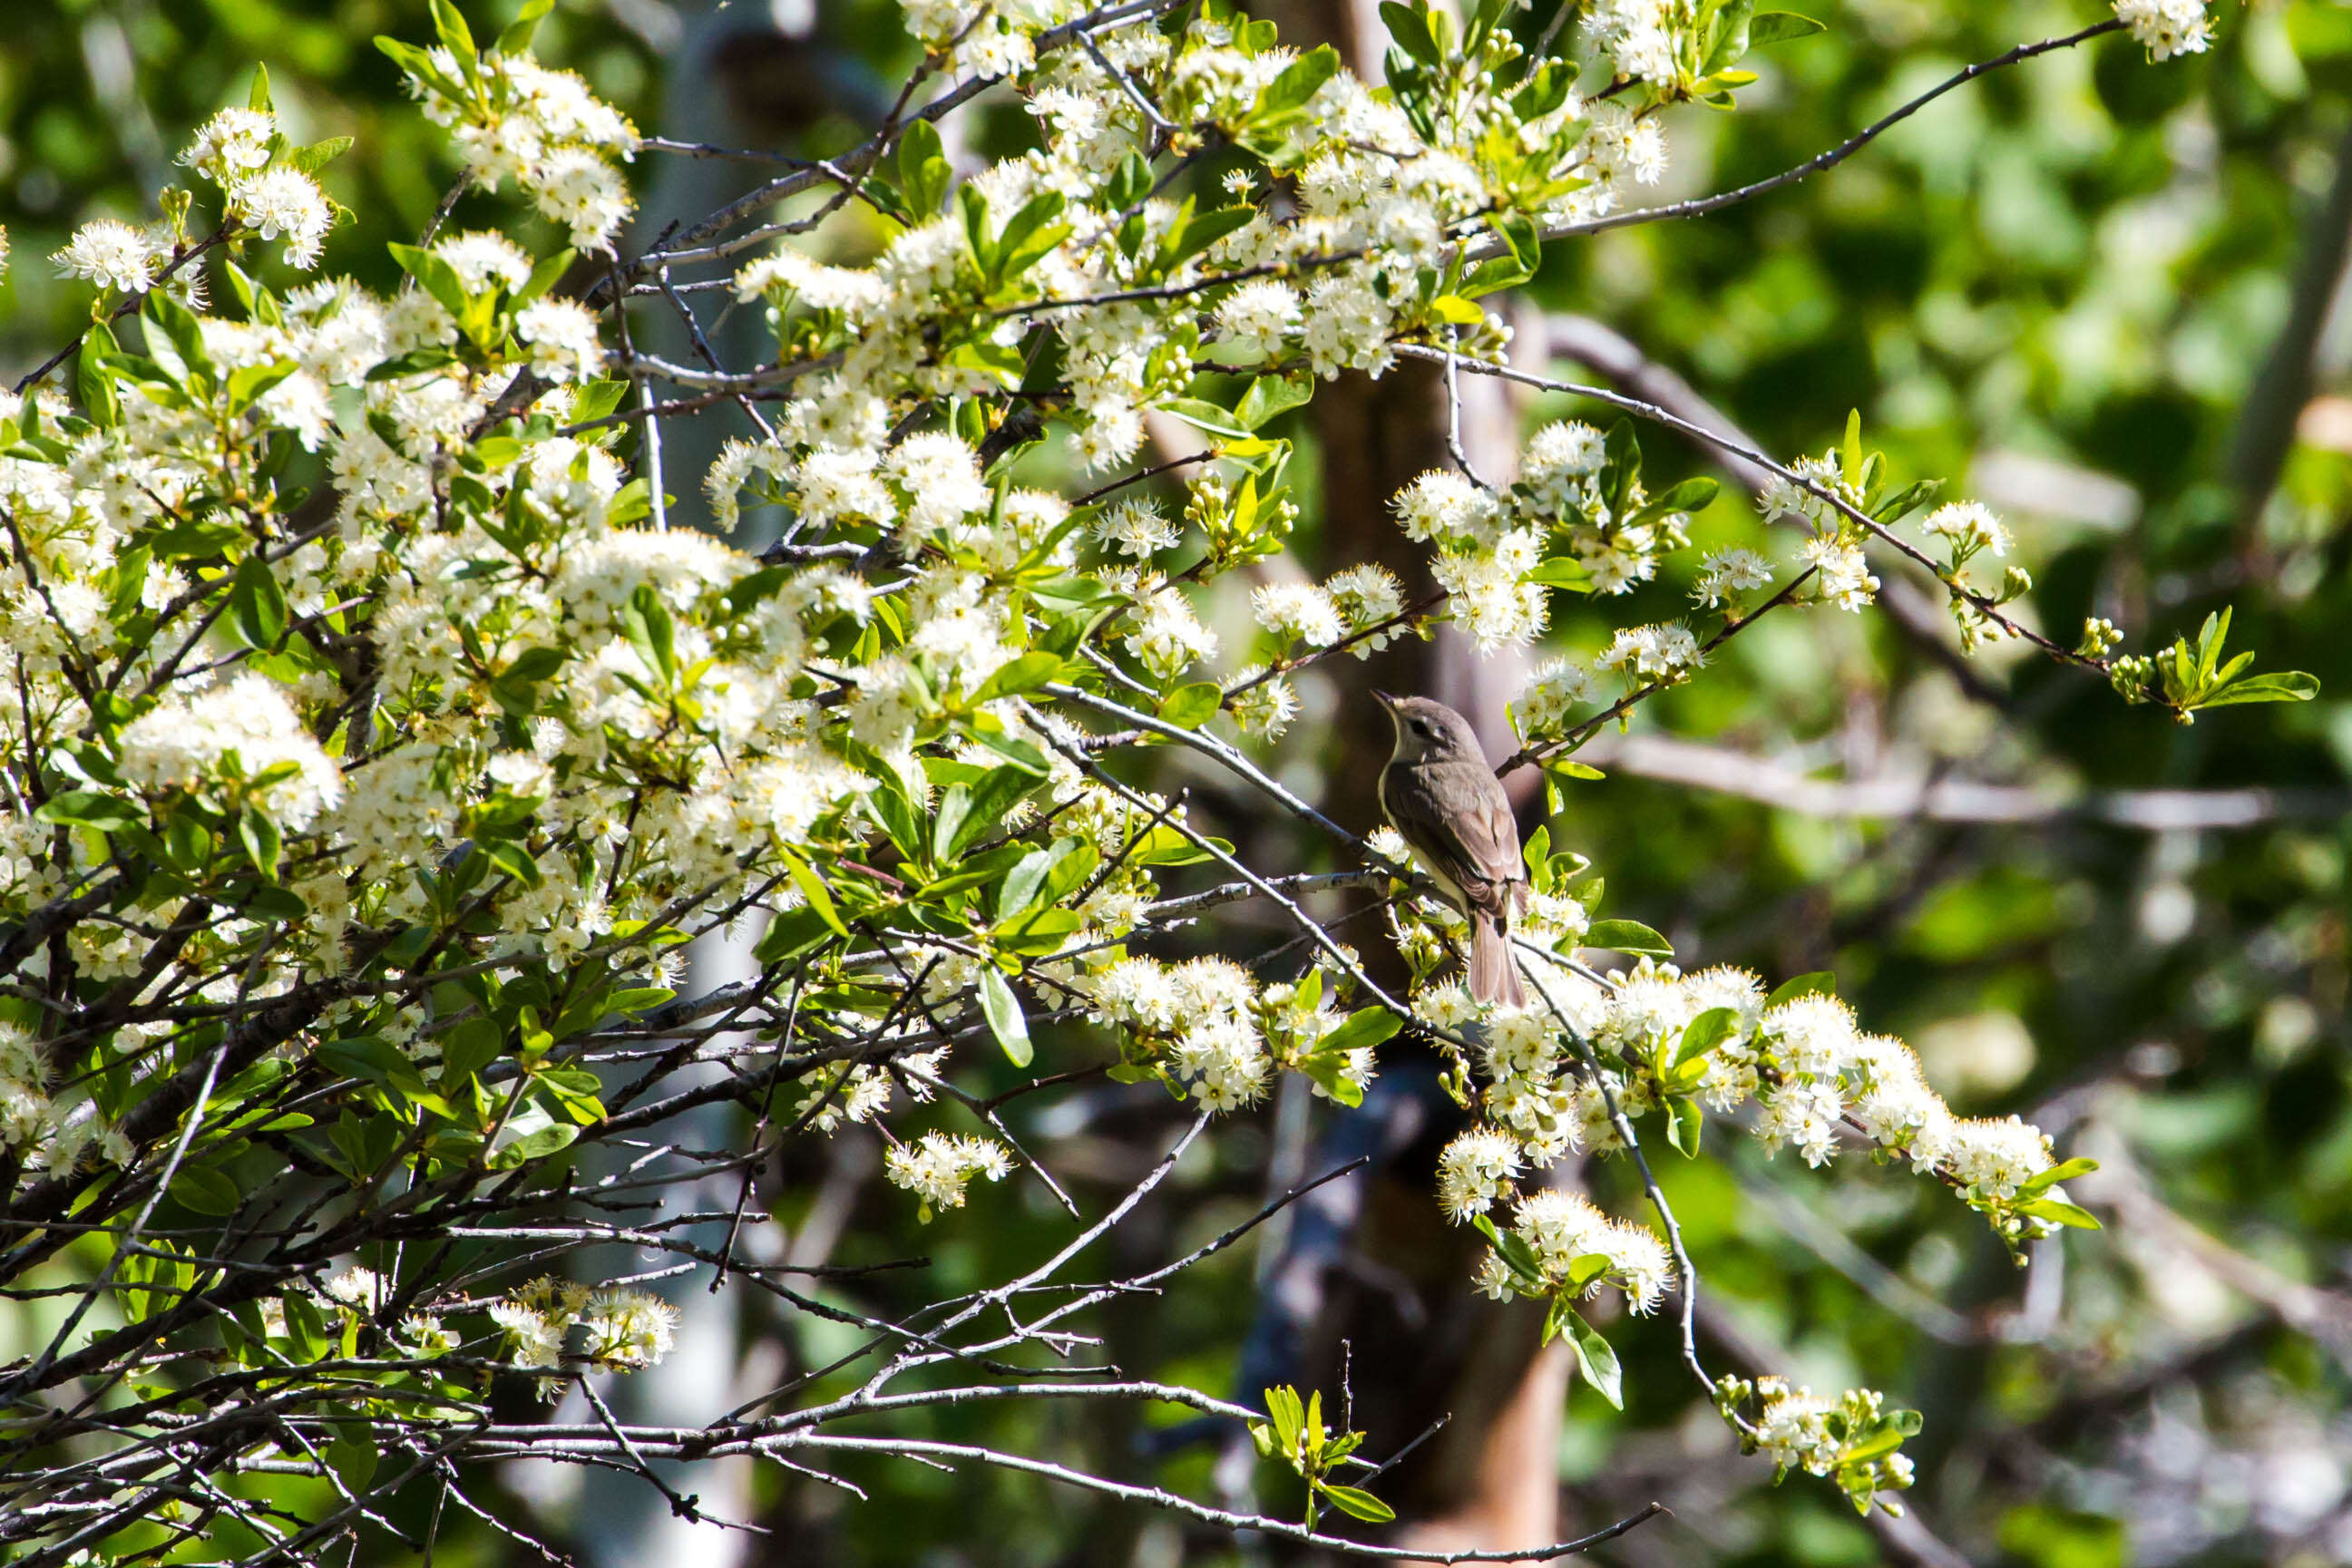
<point x="1494" y="977"/>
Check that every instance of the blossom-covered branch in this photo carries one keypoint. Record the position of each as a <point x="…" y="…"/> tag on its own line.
<point x="375" y="747"/>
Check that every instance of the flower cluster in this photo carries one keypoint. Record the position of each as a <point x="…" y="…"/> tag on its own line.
<point x="620" y="1329"/>
<point x="2168" y="27"/>
<point x="1815" y="1078"/>
<point x="1202" y="1015"/>
<point x="266" y="184"/>
<point x="1574" y="1249"/>
<point x="112" y="255"/>
<point x="938" y="1166"/>
<point x="1846" y="1438"/>
<point x="514" y="119"/>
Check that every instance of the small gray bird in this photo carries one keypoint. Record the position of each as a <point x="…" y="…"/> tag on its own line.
<point x="1439" y="792"/>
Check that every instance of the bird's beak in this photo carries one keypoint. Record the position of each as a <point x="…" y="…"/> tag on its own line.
<point x="1386" y="700"/>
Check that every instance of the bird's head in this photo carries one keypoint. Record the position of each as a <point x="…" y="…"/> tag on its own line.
<point x="1429" y="731"/>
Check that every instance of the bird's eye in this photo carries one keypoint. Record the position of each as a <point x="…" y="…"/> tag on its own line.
<point x="1421" y="728"/>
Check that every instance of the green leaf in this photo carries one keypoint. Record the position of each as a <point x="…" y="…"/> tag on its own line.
<point x="1191" y="706"/>
<point x="1204" y="415"/>
<point x="1020" y="755"/>
<point x="813" y="889"/>
<point x="1544" y="90"/>
<point x="1517" y="231"/>
<point x="1883" y="1441"/>
<point x="265" y="902"/>
<point x="923" y="172"/>
<point x="1356" y="1503"/>
<point x="1071" y="871"/>
<point x="976" y="870"/>
<point x="1703" y="1033"/>
<point x="1410" y="29"/>
<point x="1328" y="1071"/>
<point x="1820" y="982"/>
<point x="1780" y="26"/>
<point x="1305" y="77"/>
<point x="516" y="39"/>
<point x="353" y="1460"/>
<point x="1038" y="933"/>
<point x="319" y="154"/>
<point x="1584" y="770"/>
<point x="436" y="276"/>
<point x="1455" y="310"/>
<point x="1027" y="879"/>
<point x="414" y="362"/>
<point x="1492" y="276"/>
<point x="1289" y="1416"/>
<point x="455" y="35"/>
<point x="2056" y="1174"/>
<point x="1683" y="1121"/>
<point x="90" y="808"/>
<point x="544" y="276"/>
<point x="1025" y="674"/>
<point x="530" y="1134"/>
<point x="651" y="630"/>
<point x="1627" y="936"/>
<point x="1202" y="231"/>
<point x="971" y="204"/>
<point x="470" y="1047"/>
<point x="2286" y="687"/>
<point x="206" y="1191"/>
<point x="1911" y="497"/>
<point x="248" y="383"/>
<point x="1536" y="855"/>
<point x="2060" y="1213"/>
<point x="1006" y="1019"/>
<point x="1690" y="496"/>
<point x="634" y="1000"/>
<point x="1730" y="35"/>
<point x="418" y="62"/>
<point x="1598" y="1361"/>
<point x="1271" y="395"/>
<point x="792" y="933"/>
<point x="1563" y="572"/>
<point x="1030" y="233"/>
<point x="258" y="95"/>
<point x="1513" y="1249"/>
<point x="180" y="330"/>
<point x="985" y="802"/>
<point x="258" y="832"/>
<point x="375" y="1058"/>
<point x="93" y="382"/>
<point x="257" y="605"/>
<point x="1621" y="468"/>
<point x="1365" y="1025"/>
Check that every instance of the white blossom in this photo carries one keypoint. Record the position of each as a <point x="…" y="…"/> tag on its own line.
<point x="1970" y="527"/>
<point x="1297" y="612"/>
<point x="2168" y="27"/>
<point x="1729" y="573"/>
<point x="938" y="1166"/>
<point x="1475" y="1169"/>
<point x="564" y="339"/>
<point x="1136" y="528"/>
<point x="285" y="203"/>
<point x="231" y="145"/>
<point x="239" y="731"/>
<point x="112" y="255"/>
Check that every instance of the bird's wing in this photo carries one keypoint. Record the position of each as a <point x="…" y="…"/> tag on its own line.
<point x="1477" y="851"/>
